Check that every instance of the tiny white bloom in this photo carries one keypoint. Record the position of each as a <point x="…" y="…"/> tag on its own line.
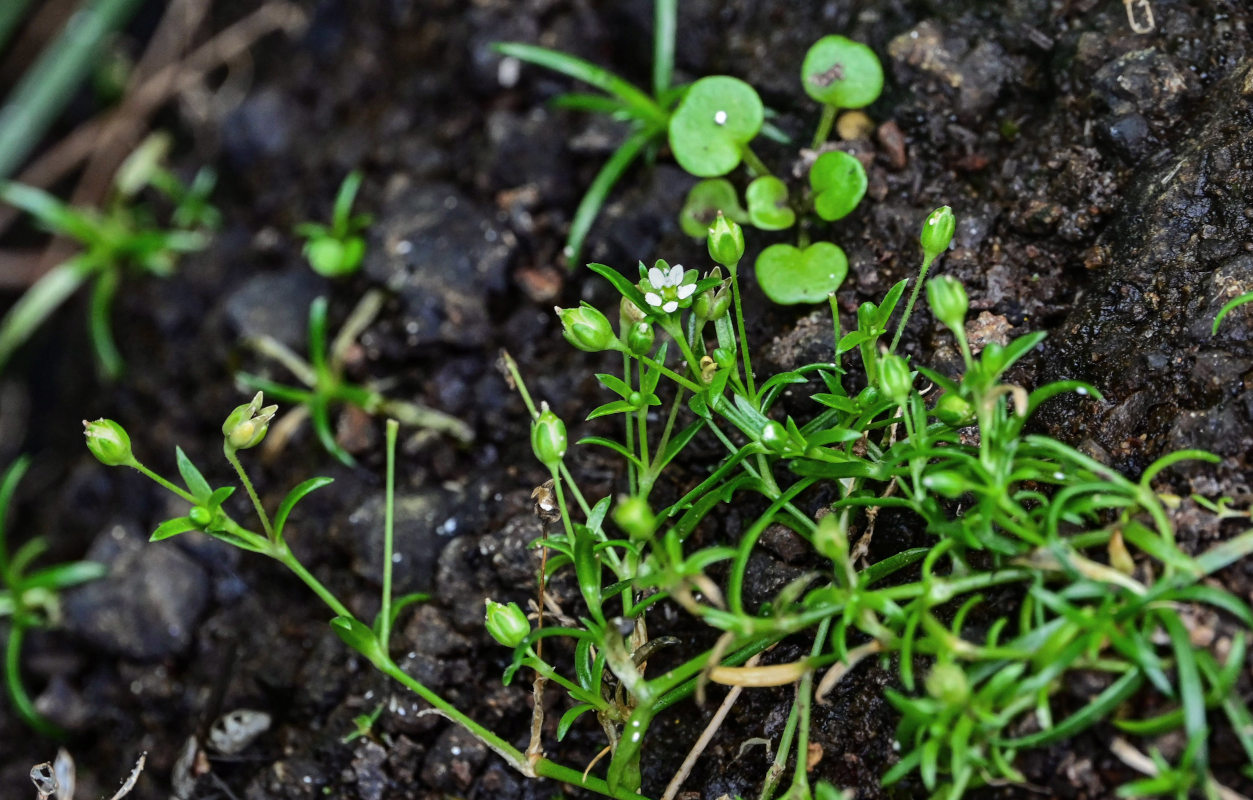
<point x="671" y="307"/>
<point x="653" y="299"/>
<point x="685" y="291"/>
<point x="676" y="275"/>
<point x="656" y="277"/>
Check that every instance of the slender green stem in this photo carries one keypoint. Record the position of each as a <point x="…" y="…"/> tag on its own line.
<point x="909" y="307"/>
<point x="780" y="756"/>
<point x="672" y="375"/>
<point x="389" y="519"/>
<point x="739" y="325"/>
<point x="280" y="552"/>
<point x="823" y="131"/>
<point x="665" y="22"/>
<point x="804" y="699"/>
<point x="519" y="384"/>
<point x="754" y="163"/>
<point x="676" y="333"/>
<point x="629" y="423"/>
<point x="183" y="493"/>
<point x="229" y="452"/>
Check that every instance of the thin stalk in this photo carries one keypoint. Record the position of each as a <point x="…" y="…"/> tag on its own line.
<point x="754" y="163"/>
<point x="672" y="375"/>
<point x="823" y="131"/>
<point x="283" y="554"/>
<point x="733" y="269"/>
<point x="665" y="22"/>
<point x="163" y="482"/>
<point x="780" y="756"/>
<point x="100" y="324"/>
<point x="909" y="307"/>
<point x="13" y="679"/>
<point x="229" y="452"/>
<point x="629" y="423"/>
<point x="389" y="519"/>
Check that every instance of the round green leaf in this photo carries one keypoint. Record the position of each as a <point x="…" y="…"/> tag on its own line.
<point x="840" y="72"/>
<point x="716" y="118"/>
<point x="839" y="183"/>
<point x="789" y="275"/>
<point x="704" y="202"/>
<point x="767" y="204"/>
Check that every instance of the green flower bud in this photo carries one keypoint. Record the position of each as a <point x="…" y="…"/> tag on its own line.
<point x="894" y="378"/>
<point x="246" y="426"/>
<point x="634" y="516"/>
<point x="948" y="301"/>
<point x="548" y="438"/>
<point x="109" y="442"/>
<point x="724" y="357"/>
<point x="946" y="484"/>
<point x="868" y="397"/>
<point x="831" y="540"/>
<point x="587" y="329"/>
<point x="947" y="683"/>
<point x="640" y="338"/>
<point x="726" y="241"/>
<point x="774" y="436"/>
<point x="507" y="623"/>
<point x="937" y="232"/>
<point x="953" y="409"/>
<point x="712" y="304"/>
<point x="200" y="516"/>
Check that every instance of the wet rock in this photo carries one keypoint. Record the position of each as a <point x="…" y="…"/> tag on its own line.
<point x="147" y="607"/>
<point x="1146" y="82"/>
<point x="454" y="760"/>
<point x="473" y="568"/>
<point x="1176" y="254"/>
<point x="445" y="255"/>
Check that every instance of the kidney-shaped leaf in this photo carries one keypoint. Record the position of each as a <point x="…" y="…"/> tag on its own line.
<point x="715" y="119"/>
<point x="839" y="183"/>
<point x="789" y="275"/>
<point x="840" y="72"/>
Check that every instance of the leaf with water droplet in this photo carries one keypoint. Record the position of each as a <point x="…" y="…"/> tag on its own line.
<point x="716" y="118"/>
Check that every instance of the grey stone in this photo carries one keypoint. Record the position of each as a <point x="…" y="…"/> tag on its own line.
<point x="147" y="607"/>
<point x="444" y="255"/>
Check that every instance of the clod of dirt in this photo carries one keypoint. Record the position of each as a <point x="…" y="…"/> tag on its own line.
<point x="146" y="608"/>
<point x="444" y="255"/>
<point x="453" y="761"/>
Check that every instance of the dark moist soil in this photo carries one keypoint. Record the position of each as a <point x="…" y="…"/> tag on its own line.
<point x="1101" y="180"/>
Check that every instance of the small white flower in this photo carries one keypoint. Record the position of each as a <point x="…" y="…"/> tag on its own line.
<point x="666" y="288"/>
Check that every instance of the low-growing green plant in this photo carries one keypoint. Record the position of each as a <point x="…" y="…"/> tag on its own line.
<point x="1099" y="587"/>
<point x="337" y="249"/>
<point x="324" y="384"/>
<point x="710" y="125"/>
<point x="123" y="239"/>
<point x="1228" y="307"/>
<point x="30" y="598"/>
<point x="1104" y="589"/>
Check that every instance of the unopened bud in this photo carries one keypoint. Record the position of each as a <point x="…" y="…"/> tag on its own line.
<point x="894" y="378"/>
<point x="948" y="301"/>
<point x="587" y="329"/>
<point x="109" y="442"/>
<point x="507" y="623"/>
<point x="246" y="426"/>
<point x="937" y="232"/>
<point x="726" y="241"/>
<point x="548" y="438"/>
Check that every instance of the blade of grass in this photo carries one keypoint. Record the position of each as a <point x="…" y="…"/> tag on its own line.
<point x="38" y="303"/>
<point x="49" y="83"/>
<point x="598" y="192"/>
<point x="665" y="21"/>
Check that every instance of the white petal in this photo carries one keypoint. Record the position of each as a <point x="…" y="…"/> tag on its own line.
<point x="685" y="291"/>
<point x="670" y="307"/>
<point x="676" y="275"/>
<point x="653" y="299"/>
<point x="656" y="277"/>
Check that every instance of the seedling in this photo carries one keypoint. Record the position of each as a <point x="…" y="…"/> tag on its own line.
<point x="839" y="184"/>
<point x="31" y="599"/>
<point x="325" y="387"/>
<point x="768" y="208"/>
<point x="790" y="275"/>
<point x="706" y="201"/>
<point x="336" y="250"/>
<point x="1228" y="307"/>
<point x="121" y="240"/>
<point x="840" y="73"/>
<point x="647" y="113"/>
